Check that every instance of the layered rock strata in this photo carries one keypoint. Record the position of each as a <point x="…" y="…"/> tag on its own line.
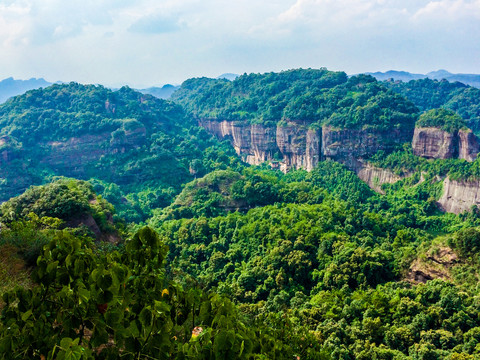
<point x="375" y="177"/>
<point x="459" y="195"/>
<point x="72" y="155"/>
<point x="295" y="146"/>
<point x="285" y="147"/>
<point x="348" y="146"/>
<point x="468" y="146"/>
<point x="435" y="143"/>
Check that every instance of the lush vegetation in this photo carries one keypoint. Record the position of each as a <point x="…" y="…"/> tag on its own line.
<point x="405" y="162"/>
<point x="136" y="149"/>
<point x="236" y="261"/>
<point x="444" y="119"/>
<point x="306" y="96"/>
<point x="429" y="94"/>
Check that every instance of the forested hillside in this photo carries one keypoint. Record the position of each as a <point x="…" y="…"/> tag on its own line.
<point x="429" y="94"/>
<point x="137" y="149"/>
<point x="310" y="96"/>
<point x="236" y="261"/>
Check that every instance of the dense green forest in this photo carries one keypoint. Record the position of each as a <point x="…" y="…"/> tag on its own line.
<point x="136" y="149"/>
<point x="429" y="94"/>
<point x="310" y="96"/>
<point x="167" y="246"/>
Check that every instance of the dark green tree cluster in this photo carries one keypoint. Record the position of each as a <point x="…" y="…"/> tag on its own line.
<point x="122" y="305"/>
<point x="307" y="96"/>
<point x="137" y="149"/>
<point x="445" y="119"/>
<point x="429" y="94"/>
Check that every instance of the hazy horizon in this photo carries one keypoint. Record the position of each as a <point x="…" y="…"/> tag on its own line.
<point x="150" y="43"/>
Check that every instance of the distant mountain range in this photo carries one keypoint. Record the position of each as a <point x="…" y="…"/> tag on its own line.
<point x="228" y="76"/>
<point x="163" y="92"/>
<point x="468" y="79"/>
<point x="11" y="87"/>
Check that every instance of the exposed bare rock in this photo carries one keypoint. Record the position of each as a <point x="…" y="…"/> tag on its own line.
<point x="287" y="147"/>
<point x="346" y="146"/>
<point x="314" y="148"/>
<point x="468" y="146"/>
<point x="299" y="146"/>
<point x="435" y="265"/>
<point x="434" y="143"/>
<point x="88" y="221"/>
<point x="295" y="146"/>
<point x="375" y="177"/>
<point x="73" y="154"/>
<point x="459" y="195"/>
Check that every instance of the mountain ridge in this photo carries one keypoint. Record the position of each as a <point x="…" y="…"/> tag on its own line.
<point x="468" y="79"/>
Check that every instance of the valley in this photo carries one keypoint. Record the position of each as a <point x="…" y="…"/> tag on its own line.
<point x="300" y="214"/>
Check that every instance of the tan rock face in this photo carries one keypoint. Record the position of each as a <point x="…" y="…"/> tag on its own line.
<point x="468" y="146"/>
<point x="459" y="196"/>
<point x="434" y="143"/>
<point x="71" y="156"/>
<point x="301" y="148"/>
<point x="376" y="177"/>
<point x="347" y="146"/>
<point x="287" y="147"/>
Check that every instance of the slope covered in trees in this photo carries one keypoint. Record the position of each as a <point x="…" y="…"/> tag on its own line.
<point x="137" y="149"/>
<point x="429" y="94"/>
<point x="238" y="261"/>
<point x="87" y="301"/>
<point x="308" y="96"/>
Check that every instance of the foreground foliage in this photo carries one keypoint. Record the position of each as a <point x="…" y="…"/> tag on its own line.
<point x="121" y="304"/>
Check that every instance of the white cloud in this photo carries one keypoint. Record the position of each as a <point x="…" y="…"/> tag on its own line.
<point x="152" y="42"/>
<point x="156" y="24"/>
<point x="449" y="10"/>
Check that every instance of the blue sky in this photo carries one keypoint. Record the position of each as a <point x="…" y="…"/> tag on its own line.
<point x="153" y="42"/>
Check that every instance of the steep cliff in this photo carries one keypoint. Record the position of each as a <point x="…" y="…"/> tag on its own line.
<point x="459" y="195"/>
<point x="375" y="177"/>
<point x="295" y="146"/>
<point x="287" y="147"/>
<point x="300" y="147"/>
<point x="347" y="146"/>
<point x="74" y="154"/>
<point x="434" y="143"/>
<point x="468" y="146"/>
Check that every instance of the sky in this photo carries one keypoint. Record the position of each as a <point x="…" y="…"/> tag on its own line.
<point x="154" y="42"/>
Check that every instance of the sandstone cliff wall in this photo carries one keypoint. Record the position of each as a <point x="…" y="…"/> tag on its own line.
<point x="459" y="196"/>
<point x="286" y="147"/>
<point x="468" y="146"/>
<point x="294" y="146"/>
<point x="347" y="146"/>
<point x="434" y="143"/>
<point x="375" y="177"/>
<point x="72" y="155"/>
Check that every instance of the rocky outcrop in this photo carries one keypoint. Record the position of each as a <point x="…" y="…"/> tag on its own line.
<point x="293" y="146"/>
<point x="375" y="177"/>
<point x="347" y="146"/>
<point x="300" y="147"/>
<point x="72" y="155"/>
<point x="434" y="143"/>
<point x="468" y="146"/>
<point x="459" y="195"/>
<point x="435" y="264"/>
